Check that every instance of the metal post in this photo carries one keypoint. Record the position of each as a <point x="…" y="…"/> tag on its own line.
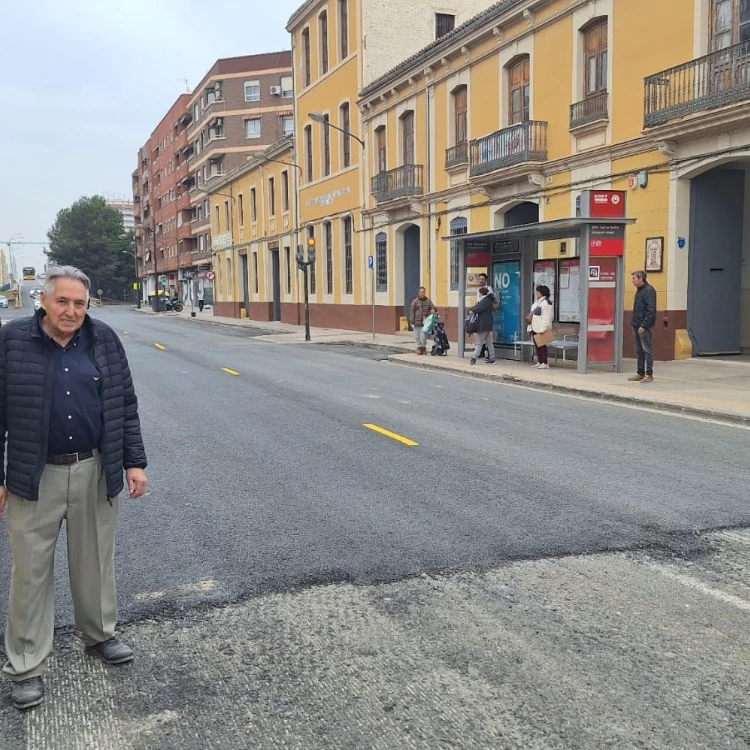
<point x="372" y="273"/>
<point x="583" y="330"/>
<point x="305" y="270"/>
<point x="138" y="294"/>
<point x="619" y="312"/>
<point x="461" y="297"/>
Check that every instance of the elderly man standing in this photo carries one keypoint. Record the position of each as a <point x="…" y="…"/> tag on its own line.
<point x="421" y="308"/>
<point x="69" y="409"/>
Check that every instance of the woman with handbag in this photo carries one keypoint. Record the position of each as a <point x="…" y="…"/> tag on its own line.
<point x="540" y="320"/>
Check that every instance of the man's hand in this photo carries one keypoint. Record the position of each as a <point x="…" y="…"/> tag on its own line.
<point x="137" y="482"/>
<point x="3" y="501"/>
<point x="641" y="330"/>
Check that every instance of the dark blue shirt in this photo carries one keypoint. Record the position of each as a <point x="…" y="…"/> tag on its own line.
<point x="75" y="420"/>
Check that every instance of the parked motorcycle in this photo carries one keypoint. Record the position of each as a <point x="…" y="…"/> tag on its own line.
<point x="174" y="305"/>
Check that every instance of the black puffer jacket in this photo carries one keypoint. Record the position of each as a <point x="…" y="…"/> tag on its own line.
<point x="644" y="307"/>
<point x="25" y="387"/>
<point x="483" y="309"/>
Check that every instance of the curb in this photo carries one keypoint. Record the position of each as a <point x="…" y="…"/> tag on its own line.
<point x="728" y="418"/>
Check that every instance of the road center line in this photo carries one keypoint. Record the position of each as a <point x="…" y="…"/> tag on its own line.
<point x="703" y="588"/>
<point x="391" y="435"/>
<point x="229" y="372"/>
<point x="161" y="347"/>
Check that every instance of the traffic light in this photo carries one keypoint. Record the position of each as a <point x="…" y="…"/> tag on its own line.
<point x="164" y="283"/>
<point x="311" y="250"/>
<point x="300" y="254"/>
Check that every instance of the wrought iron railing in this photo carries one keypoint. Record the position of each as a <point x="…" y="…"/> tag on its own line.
<point x="518" y="144"/>
<point x="457" y="155"/>
<point x="707" y="83"/>
<point x="589" y="110"/>
<point x="401" y="182"/>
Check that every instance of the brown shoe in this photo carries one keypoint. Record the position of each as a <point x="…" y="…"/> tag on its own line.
<point x="647" y="379"/>
<point x="636" y="378"/>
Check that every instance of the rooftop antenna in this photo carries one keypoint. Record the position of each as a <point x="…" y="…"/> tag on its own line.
<point x="185" y="81"/>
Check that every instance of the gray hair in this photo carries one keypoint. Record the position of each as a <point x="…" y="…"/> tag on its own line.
<point x="65" y="272"/>
<point x="640" y="275"/>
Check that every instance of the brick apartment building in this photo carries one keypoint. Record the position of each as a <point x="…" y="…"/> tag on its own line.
<point x="162" y="201"/>
<point x="242" y="105"/>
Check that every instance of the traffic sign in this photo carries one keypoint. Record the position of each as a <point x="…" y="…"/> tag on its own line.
<point x="100" y="292"/>
<point x="371" y="262"/>
<point x="210" y="275"/>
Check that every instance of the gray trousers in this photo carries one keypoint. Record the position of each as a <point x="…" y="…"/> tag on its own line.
<point x="78" y="495"/>
<point x="420" y="336"/>
<point x="484" y="338"/>
<point x="644" y="349"/>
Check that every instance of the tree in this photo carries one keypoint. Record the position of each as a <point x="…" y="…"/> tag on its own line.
<point x="90" y="235"/>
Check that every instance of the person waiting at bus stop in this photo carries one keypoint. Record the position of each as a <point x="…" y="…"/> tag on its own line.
<point x="483" y="310"/>
<point x="540" y="320"/>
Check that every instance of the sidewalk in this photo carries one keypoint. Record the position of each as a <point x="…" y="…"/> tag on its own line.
<point x="709" y="388"/>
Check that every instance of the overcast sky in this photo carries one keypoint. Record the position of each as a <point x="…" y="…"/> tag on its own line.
<point x="84" y="82"/>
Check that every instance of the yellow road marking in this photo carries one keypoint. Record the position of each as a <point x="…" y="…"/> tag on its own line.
<point x="161" y="347"/>
<point x="229" y="372"/>
<point x="391" y="435"/>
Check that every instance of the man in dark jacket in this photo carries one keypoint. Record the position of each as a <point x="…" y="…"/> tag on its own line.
<point x="69" y="410"/>
<point x="483" y="310"/>
<point x="421" y="308"/>
<point x="643" y="321"/>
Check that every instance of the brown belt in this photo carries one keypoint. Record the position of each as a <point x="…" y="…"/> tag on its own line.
<point x="65" y="459"/>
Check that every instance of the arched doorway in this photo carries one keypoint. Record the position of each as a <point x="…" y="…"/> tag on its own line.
<point x="715" y="260"/>
<point x="523" y="213"/>
<point x="412" y="264"/>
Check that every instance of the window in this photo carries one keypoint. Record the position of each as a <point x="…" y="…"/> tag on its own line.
<point x="253" y="205"/>
<point x="285" y="191"/>
<point x="306" y="77"/>
<point x="407" y="138"/>
<point x="252" y="91"/>
<point x="287" y="125"/>
<point x="730" y="23"/>
<point x="344" y="28"/>
<point x="230" y="279"/>
<point x="226" y="216"/>
<point x="309" y="153"/>
<point x="287" y="87"/>
<point x="326" y="147"/>
<point x="328" y="228"/>
<point x="288" y="259"/>
<point x="519" y="90"/>
<point x="381" y="261"/>
<point x="272" y="196"/>
<point x="256" y="280"/>
<point x="595" y="64"/>
<point x="241" y="210"/>
<point x="381" y="149"/>
<point x="348" y="257"/>
<point x="196" y="112"/>
<point x="460" y="115"/>
<point x="444" y="24"/>
<point x="218" y="220"/>
<point x="323" y="31"/>
<point x="346" y="142"/>
<point x="458" y="226"/>
<point x="311" y="269"/>
<point x="253" y="127"/>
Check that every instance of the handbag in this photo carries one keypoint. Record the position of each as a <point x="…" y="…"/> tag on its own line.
<point x="542" y="339"/>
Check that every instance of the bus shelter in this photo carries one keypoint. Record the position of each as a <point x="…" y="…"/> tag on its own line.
<point x="588" y="286"/>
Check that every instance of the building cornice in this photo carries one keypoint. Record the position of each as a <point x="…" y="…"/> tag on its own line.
<point x="301" y="13"/>
<point x="277" y="149"/>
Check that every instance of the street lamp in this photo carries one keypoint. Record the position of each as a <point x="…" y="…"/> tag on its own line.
<point x="328" y="124"/>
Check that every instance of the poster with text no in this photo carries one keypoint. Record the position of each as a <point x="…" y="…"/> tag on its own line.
<point x="506" y="280"/>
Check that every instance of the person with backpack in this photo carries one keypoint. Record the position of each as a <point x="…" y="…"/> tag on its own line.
<point x="483" y="283"/>
<point x="540" y="320"/>
<point x="485" y="324"/>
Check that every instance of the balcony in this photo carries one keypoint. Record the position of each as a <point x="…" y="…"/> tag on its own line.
<point x="699" y="86"/>
<point x="402" y="182"/>
<point x="457" y="156"/>
<point x="509" y="147"/>
<point x="594" y="109"/>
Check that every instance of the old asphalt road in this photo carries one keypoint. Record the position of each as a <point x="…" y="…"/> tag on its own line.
<point x="537" y="572"/>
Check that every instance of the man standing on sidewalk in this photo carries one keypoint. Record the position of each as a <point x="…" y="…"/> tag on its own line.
<point x="483" y="309"/>
<point x="69" y="410"/>
<point x="420" y="310"/>
<point x="643" y="321"/>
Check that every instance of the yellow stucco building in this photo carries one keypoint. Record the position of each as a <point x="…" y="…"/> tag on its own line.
<point x="508" y="119"/>
<point x="254" y="227"/>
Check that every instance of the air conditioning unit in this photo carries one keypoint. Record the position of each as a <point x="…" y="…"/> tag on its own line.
<point x="276" y="90"/>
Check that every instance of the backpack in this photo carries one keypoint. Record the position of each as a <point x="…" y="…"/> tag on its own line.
<point x="471" y="324"/>
<point x="495" y="302"/>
